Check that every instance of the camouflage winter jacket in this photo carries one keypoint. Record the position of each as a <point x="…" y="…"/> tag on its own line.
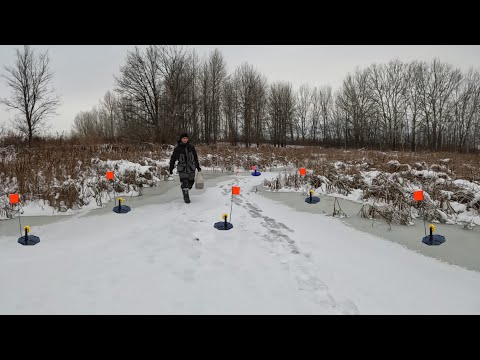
<point x="187" y="158"/>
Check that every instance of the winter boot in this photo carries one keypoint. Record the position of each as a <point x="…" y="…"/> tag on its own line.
<point x="186" y="198"/>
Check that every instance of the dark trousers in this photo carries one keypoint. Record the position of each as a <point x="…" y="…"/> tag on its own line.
<point x="187" y="180"/>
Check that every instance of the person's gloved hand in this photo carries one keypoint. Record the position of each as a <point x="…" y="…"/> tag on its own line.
<point x="199" y="169"/>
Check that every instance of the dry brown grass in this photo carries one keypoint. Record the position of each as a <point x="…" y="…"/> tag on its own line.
<point x="340" y="172"/>
<point x="54" y="173"/>
<point x="53" y="170"/>
<point x="465" y="166"/>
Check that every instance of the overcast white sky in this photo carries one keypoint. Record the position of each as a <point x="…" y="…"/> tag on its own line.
<point x="83" y="73"/>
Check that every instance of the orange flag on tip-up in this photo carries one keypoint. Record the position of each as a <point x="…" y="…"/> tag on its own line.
<point x="13" y="199"/>
<point x="235" y="190"/>
<point x="109" y="175"/>
<point x="303" y="171"/>
<point x="418" y="195"/>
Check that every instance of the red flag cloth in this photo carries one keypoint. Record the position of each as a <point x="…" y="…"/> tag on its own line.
<point x="13" y="199"/>
<point x="418" y="195"/>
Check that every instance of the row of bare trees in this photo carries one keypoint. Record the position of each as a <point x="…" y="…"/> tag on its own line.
<point x="409" y="105"/>
<point x="164" y="90"/>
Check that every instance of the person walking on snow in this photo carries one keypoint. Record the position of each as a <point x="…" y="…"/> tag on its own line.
<point x="187" y="158"/>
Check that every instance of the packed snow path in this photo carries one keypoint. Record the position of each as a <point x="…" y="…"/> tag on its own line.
<point x="169" y="259"/>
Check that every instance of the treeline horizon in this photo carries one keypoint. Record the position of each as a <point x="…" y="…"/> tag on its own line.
<point x="162" y="91"/>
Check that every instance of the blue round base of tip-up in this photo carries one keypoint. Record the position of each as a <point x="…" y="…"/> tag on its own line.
<point x="125" y="209"/>
<point x="437" y="240"/>
<point x="256" y="173"/>
<point x="221" y="225"/>
<point x="32" y="240"/>
<point x="315" y="200"/>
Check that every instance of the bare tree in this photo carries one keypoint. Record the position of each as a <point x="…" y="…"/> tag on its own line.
<point x="192" y="123"/>
<point x="467" y="106"/>
<point x="140" y="81"/>
<point x="175" y="65"/>
<point x="281" y="110"/>
<point x="212" y="77"/>
<point x="325" y="103"/>
<point x="230" y="111"/>
<point x="184" y="121"/>
<point x="437" y="87"/>
<point x="412" y="94"/>
<point x="29" y="80"/>
<point x="109" y="109"/>
<point x="259" y="108"/>
<point x="247" y="82"/>
<point x="339" y="120"/>
<point x="131" y="121"/>
<point x="274" y="112"/>
<point x="314" y="114"/>
<point x="356" y="104"/>
<point x="218" y="74"/>
<point x="288" y="109"/>
<point x="87" y="125"/>
<point x="386" y="85"/>
<point x="304" y="101"/>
